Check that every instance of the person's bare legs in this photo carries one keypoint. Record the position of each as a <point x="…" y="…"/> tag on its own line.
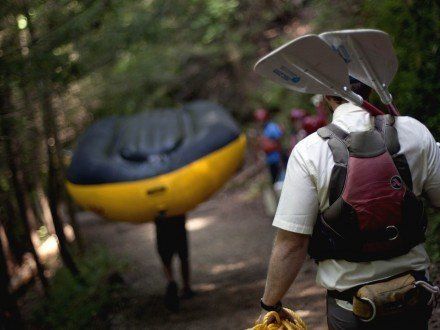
<point x="187" y="292"/>
<point x="171" y="299"/>
<point x="168" y="271"/>
<point x="165" y="237"/>
<point x="185" y="272"/>
<point x="183" y="252"/>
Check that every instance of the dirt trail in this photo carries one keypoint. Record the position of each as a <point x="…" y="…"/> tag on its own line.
<point x="230" y="242"/>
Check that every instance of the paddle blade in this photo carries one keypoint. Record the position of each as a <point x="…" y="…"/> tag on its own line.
<point x="369" y="55"/>
<point x="306" y="65"/>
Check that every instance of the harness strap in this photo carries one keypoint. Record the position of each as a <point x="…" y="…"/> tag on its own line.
<point x="337" y="141"/>
<point x="328" y="131"/>
<point x="348" y="294"/>
<point x="385" y="125"/>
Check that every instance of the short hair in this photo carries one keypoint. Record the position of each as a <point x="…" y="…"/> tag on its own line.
<point x="356" y="86"/>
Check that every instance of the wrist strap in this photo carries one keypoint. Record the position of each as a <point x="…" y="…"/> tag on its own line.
<point x="275" y="308"/>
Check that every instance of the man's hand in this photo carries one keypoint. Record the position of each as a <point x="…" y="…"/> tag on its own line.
<point x="283" y="315"/>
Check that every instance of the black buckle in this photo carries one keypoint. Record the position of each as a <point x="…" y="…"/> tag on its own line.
<point x="392" y="232"/>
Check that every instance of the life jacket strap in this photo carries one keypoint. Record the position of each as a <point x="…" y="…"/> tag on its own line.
<point x="385" y="125"/>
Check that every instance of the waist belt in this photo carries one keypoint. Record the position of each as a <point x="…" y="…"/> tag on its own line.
<point x="347" y="295"/>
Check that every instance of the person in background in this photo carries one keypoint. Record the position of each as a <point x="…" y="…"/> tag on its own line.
<point x="311" y="124"/>
<point x="297" y="133"/>
<point x="270" y="143"/>
<point x="321" y="107"/>
<point x="172" y="238"/>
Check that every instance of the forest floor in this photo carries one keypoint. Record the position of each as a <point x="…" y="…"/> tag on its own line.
<point x="230" y="241"/>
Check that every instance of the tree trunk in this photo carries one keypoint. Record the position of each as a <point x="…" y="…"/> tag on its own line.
<point x="52" y="177"/>
<point x="62" y="173"/>
<point x="54" y="152"/>
<point x="10" y="317"/>
<point x="34" y="147"/>
<point x="43" y="204"/>
<point x="42" y="85"/>
<point x="12" y="160"/>
<point x="10" y="220"/>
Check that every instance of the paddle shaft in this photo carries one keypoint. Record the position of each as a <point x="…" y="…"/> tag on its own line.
<point x="371" y="108"/>
<point x="393" y="109"/>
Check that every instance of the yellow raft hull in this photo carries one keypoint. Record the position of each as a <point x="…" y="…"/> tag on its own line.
<point x="172" y="193"/>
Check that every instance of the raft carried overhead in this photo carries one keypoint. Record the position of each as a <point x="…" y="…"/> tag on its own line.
<point x="161" y="162"/>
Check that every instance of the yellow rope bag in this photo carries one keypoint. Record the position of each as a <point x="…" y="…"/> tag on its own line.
<point x="273" y="321"/>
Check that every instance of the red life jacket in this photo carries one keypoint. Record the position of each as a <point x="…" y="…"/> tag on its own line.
<point x="373" y="213"/>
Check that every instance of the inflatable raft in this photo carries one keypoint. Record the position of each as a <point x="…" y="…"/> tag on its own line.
<point x="161" y="162"/>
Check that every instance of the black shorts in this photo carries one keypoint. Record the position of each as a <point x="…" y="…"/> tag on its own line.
<point x="171" y="238"/>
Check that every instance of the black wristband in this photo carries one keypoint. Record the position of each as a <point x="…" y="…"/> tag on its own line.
<point x="275" y="308"/>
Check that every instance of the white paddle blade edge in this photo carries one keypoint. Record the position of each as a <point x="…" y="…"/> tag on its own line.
<point x="369" y="55"/>
<point x="307" y="65"/>
<point x="281" y="70"/>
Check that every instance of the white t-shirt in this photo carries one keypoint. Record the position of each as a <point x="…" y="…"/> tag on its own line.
<point x="305" y="193"/>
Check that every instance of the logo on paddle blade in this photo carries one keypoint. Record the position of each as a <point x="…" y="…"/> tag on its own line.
<point x="396" y="182"/>
<point x="287" y="75"/>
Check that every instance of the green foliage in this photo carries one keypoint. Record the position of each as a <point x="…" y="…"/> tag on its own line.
<point x="74" y="305"/>
<point x="433" y="234"/>
<point x="415" y="28"/>
<point x="159" y="54"/>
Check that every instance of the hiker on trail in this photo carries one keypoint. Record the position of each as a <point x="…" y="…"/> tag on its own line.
<point x="351" y="198"/>
<point x="311" y="123"/>
<point x="172" y="239"/>
<point x="297" y="133"/>
<point x="321" y="107"/>
<point x="270" y="143"/>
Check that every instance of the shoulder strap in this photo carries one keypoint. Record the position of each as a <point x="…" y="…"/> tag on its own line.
<point x="385" y="125"/>
<point x="331" y="129"/>
<point x="337" y="141"/>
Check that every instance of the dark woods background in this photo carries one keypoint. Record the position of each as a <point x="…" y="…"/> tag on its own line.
<point x="66" y="63"/>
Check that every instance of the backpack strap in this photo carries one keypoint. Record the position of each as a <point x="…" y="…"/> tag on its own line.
<point x="332" y="129"/>
<point x="385" y="125"/>
<point x="337" y="141"/>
